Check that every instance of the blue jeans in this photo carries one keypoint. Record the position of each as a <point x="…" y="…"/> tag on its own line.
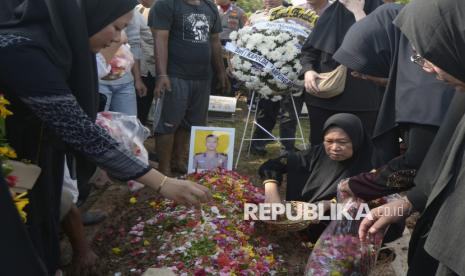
<point x="120" y="98"/>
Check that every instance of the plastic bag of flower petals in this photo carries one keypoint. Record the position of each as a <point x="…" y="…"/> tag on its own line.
<point x="121" y="63"/>
<point x="130" y="133"/>
<point x="339" y="250"/>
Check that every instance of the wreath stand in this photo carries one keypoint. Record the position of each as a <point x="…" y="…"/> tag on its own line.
<point x="256" y="124"/>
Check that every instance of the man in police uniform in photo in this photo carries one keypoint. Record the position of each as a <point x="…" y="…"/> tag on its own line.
<point x="211" y="159"/>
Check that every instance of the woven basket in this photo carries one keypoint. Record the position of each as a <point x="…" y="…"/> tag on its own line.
<point x="289" y="225"/>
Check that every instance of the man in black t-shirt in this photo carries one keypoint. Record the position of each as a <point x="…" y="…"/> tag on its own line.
<point x="187" y="44"/>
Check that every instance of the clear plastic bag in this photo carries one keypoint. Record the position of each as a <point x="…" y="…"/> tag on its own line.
<point x="121" y="63"/>
<point x="339" y="251"/>
<point x="129" y="132"/>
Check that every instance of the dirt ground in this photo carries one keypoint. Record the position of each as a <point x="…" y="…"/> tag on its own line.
<point x="114" y="200"/>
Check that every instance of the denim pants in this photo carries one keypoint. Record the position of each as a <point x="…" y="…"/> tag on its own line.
<point x="120" y="98"/>
<point x="186" y="105"/>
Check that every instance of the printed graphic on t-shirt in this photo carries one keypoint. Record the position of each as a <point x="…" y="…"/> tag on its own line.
<point x="196" y="28"/>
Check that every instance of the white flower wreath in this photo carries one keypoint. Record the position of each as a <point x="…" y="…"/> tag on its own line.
<point x="266" y="57"/>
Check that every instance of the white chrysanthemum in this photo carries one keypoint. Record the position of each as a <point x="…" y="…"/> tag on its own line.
<point x="286" y="70"/>
<point x="265" y="90"/>
<point x="279" y="64"/>
<point x="286" y="36"/>
<point x="258" y="36"/>
<point x="281" y="85"/>
<point x="275" y="55"/>
<point x="280" y="38"/>
<point x="239" y="75"/>
<point x="298" y="66"/>
<point x="279" y="47"/>
<point x="292" y="76"/>
<point x="246" y="66"/>
<point x="236" y="62"/>
<point x="267" y="69"/>
<point x="243" y="31"/>
<point x="291" y="50"/>
<point x="269" y="41"/>
<point x="254" y="79"/>
<point x="233" y="35"/>
<point x="250" y="85"/>
<point x="265" y="52"/>
<point x="250" y="45"/>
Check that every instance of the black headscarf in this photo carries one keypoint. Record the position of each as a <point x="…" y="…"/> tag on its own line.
<point x="62" y="28"/>
<point x="333" y="24"/>
<point x="436" y="30"/>
<point x="376" y="47"/>
<point x="326" y="173"/>
<point x="437" y="34"/>
<point x="370" y="44"/>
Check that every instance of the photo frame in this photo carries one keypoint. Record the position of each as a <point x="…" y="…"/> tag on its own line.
<point x="211" y="148"/>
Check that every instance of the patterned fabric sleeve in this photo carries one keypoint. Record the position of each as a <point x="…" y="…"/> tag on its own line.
<point x="63" y="115"/>
<point x="27" y="72"/>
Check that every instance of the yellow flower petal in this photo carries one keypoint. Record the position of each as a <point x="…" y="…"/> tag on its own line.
<point x="11" y="153"/>
<point x="20" y="203"/>
<point x="133" y="200"/>
<point x="269" y="258"/>
<point x="146" y="243"/>
<point x="116" y="250"/>
<point x="3" y="150"/>
<point x="4" y="101"/>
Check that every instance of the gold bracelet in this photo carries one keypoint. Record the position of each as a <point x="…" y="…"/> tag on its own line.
<point x="271" y="181"/>
<point x="161" y="184"/>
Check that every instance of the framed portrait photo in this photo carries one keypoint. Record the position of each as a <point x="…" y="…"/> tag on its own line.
<point x="211" y="148"/>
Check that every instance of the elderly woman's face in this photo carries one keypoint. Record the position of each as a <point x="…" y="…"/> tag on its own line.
<point x="338" y="145"/>
<point x="109" y="34"/>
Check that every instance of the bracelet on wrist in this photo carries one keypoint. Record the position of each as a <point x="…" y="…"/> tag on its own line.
<point x="161" y="184"/>
<point x="270" y="181"/>
<point x="162" y="76"/>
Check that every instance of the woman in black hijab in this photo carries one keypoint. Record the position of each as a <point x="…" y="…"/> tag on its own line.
<point x="313" y="175"/>
<point x="360" y="97"/>
<point x="414" y="102"/>
<point x="47" y="71"/>
<point x="435" y="30"/>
